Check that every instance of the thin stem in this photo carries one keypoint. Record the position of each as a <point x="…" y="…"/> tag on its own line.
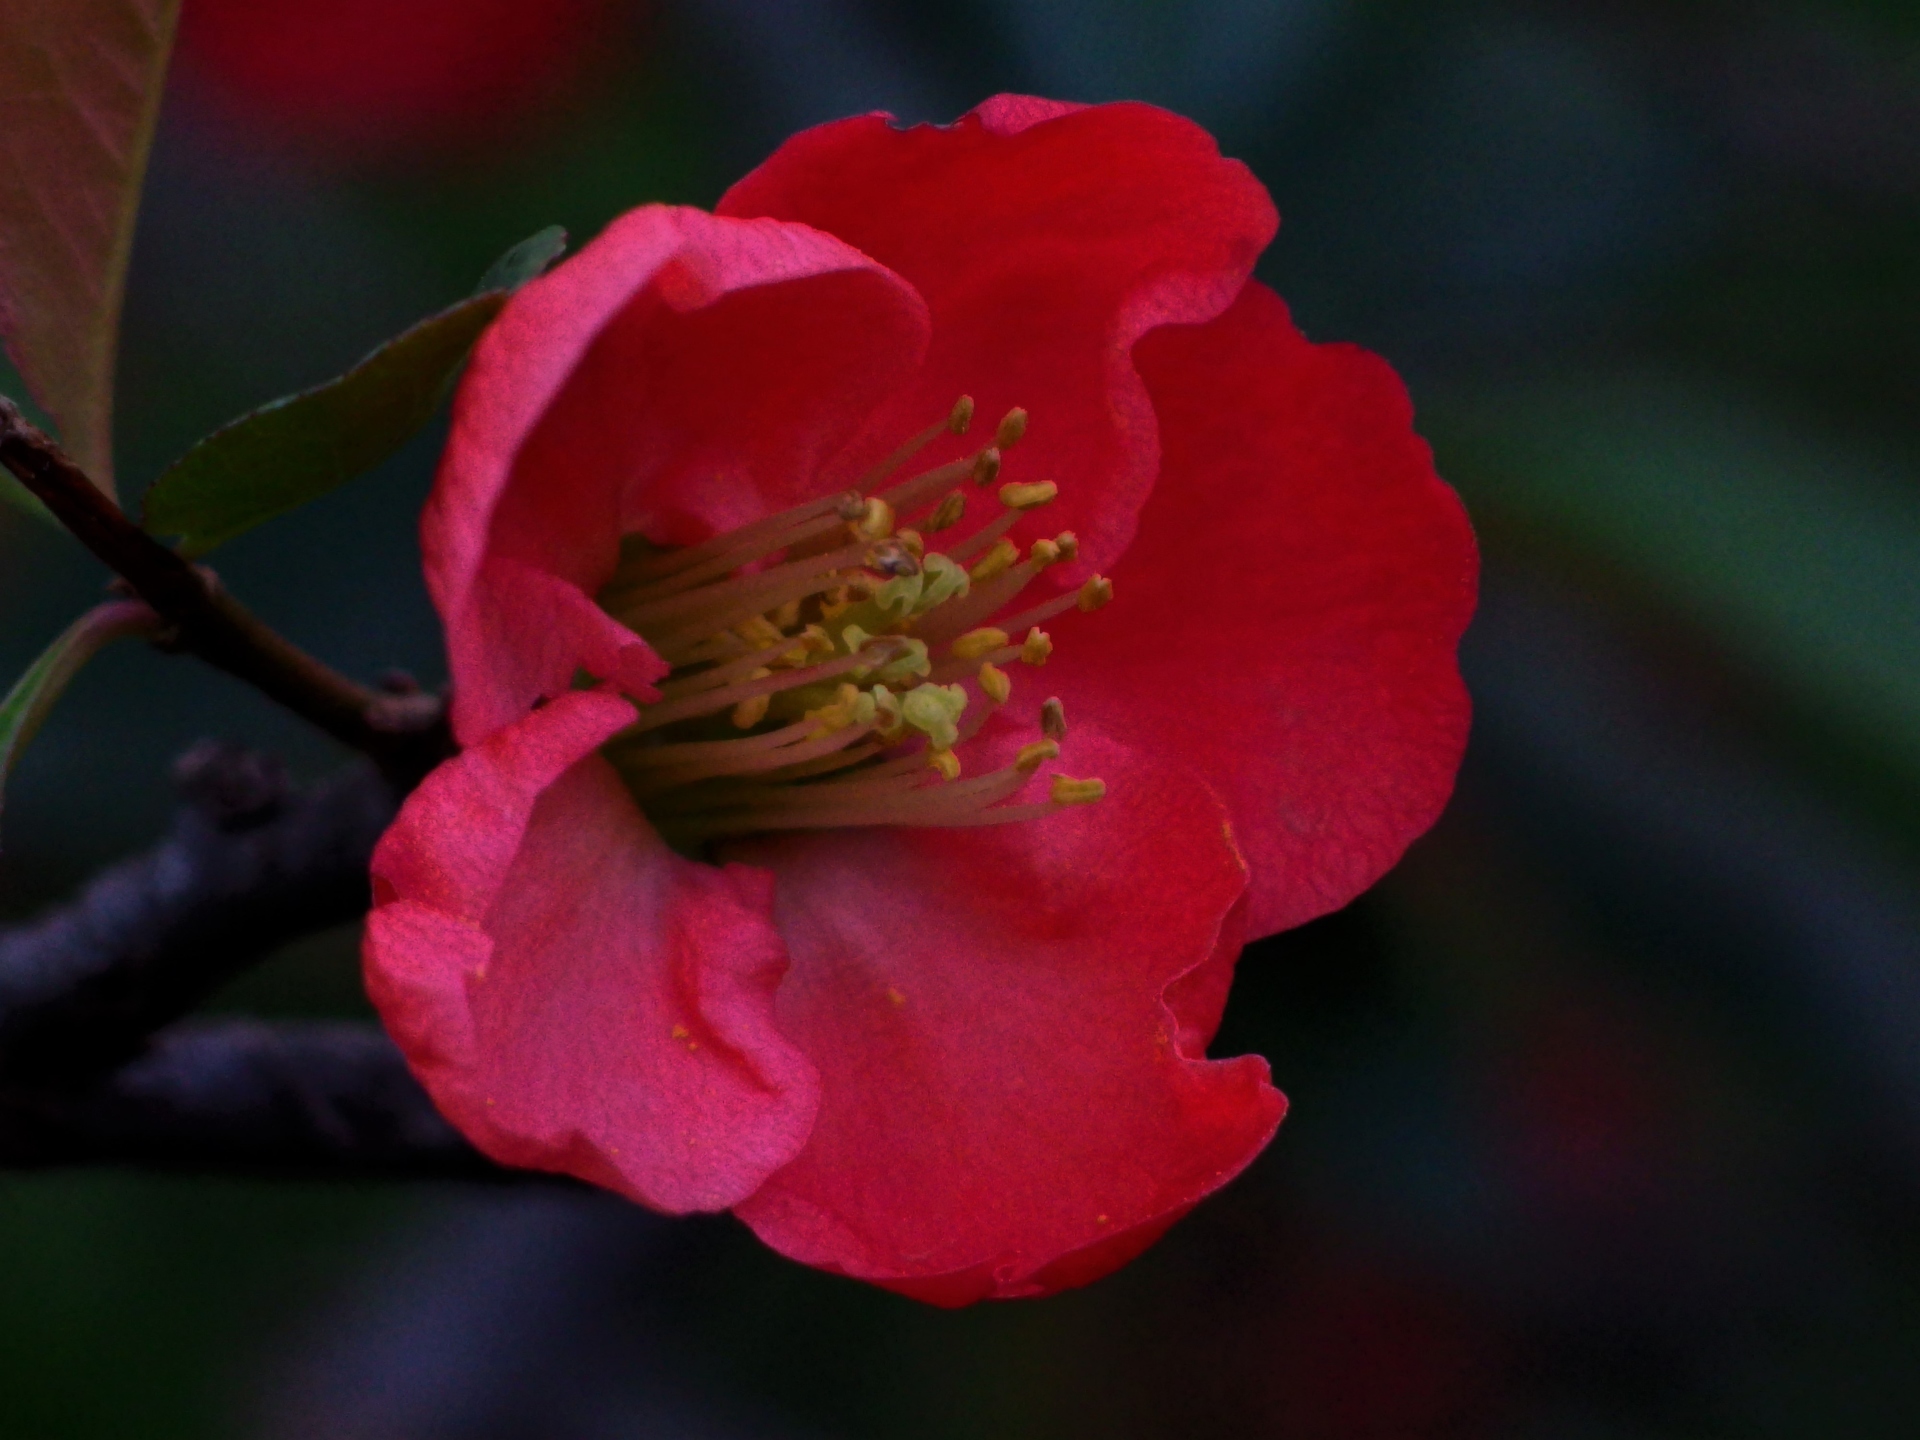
<point x="405" y="735"/>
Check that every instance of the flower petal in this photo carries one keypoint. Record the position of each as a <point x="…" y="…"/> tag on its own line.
<point x="574" y="996"/>
<point x="1008" y="1105"/>
<point x="682" y="373"/>
<point x="1045" y="239"/>
<point x="1288" y="620"/>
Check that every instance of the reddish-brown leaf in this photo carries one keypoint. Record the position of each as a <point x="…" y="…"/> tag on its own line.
<point x="80" y="84"/>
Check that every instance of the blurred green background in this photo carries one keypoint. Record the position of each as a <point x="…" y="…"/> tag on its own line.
<point x="1606" y="1104"/>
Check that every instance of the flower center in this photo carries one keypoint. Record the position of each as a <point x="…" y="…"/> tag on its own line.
<point x="827" y="665"/>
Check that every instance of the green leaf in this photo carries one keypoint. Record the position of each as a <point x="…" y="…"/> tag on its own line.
<point x="27" y="704"/>
<point x="525" y="261"/>
<point x="80" y="84"/>
<point x="296" y="449"/>
<point x="1798" y="551"/>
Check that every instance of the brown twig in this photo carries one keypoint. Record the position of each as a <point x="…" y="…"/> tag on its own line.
<point x="406" y="735"/>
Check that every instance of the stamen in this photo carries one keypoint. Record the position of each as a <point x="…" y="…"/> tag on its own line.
<point x="1028" y="496"/>
<point x="1076" y="792"/>
<point x="975" y="643"/>
<point x="1053" y="718"/>
<point x="803" y="691"/>
<point x="994" y="683"/>
<point x="949" y="513"/>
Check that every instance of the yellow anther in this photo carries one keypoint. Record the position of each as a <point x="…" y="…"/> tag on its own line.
<point x="1035" y="649"/>
<point x="1067" y="791"/>
<point x="1095" y="593"/>
<point x="808" y="644"/>
<point x="996" y="561"/>
<point x="875" y="522"/>
<point x="948" y="514"/>
<point x="1053" y="718"/>
<point x="961" y="416"/>
<point x="1044" y="553"/>
<point x="749" y="713"/>
<point x="850" y="506"/>
<point x="785" y="617"/>
<point x="836" y="602"/>
<point x="845" y="710"/>
<point x="916" y="546"/>
<point x="986" y="466"/>
<point x="1012" y="426"/>
<point x="1069" y="544"/>
<point x="759" y="632"/>
<point x="1029" y="495"/>
<point x="994" y="683"/>
<point x="946" y="762"/>
<point x="1031" y="757"/>
<point x="975" y="643"/>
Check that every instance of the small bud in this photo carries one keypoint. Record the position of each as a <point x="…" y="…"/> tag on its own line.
<point x="1095" y="593"/>
<point x="1035" y="649"/>
<point x="975" y="643"/>
<point x="994" y="683"/>
<point x="996" y="561"/>
<point x="1053" y="718"/>
<point x="949" y="512"/>
<point x="961" y="416"/>
<point x="1012" y="426"/>
<point x="1028" y="496"/>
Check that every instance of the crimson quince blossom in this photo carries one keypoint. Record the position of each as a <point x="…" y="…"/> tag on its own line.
<point x="776" y="874"/>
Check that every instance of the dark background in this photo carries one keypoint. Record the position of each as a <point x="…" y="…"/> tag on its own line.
<point x="1606" y="1103"/>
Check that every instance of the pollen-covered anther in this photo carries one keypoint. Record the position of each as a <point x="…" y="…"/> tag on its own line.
<point x="1069" y="544"/>
<point x="1095" y="593"/>
<point x="1035" y="649"/>
<point x="986" y="466"/>
<point x="750" y="712"/>
<point x="1043" y="553"/>
<point x="946" y="762"/>
<point x="759" y="632"/>
<point x="891" y="557"/>
<point x="1068" y="791"/>
<point x="947" y="514"/>
<point x="1028" y="495"/>
<point x="975" y="643"/>
<point x="1032" y="757"/>
<point x="994" y="683"/>
<point x="875" y="521"/>
<point x="915" y="542"/>
<point x="996" y="561"/>
<point x="961" y="416"/>
<point x="1012" y="426"/>
<point x="935" y="710"/>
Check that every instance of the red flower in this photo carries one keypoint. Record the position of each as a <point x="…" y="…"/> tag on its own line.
<point x="955" y="1057"/>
